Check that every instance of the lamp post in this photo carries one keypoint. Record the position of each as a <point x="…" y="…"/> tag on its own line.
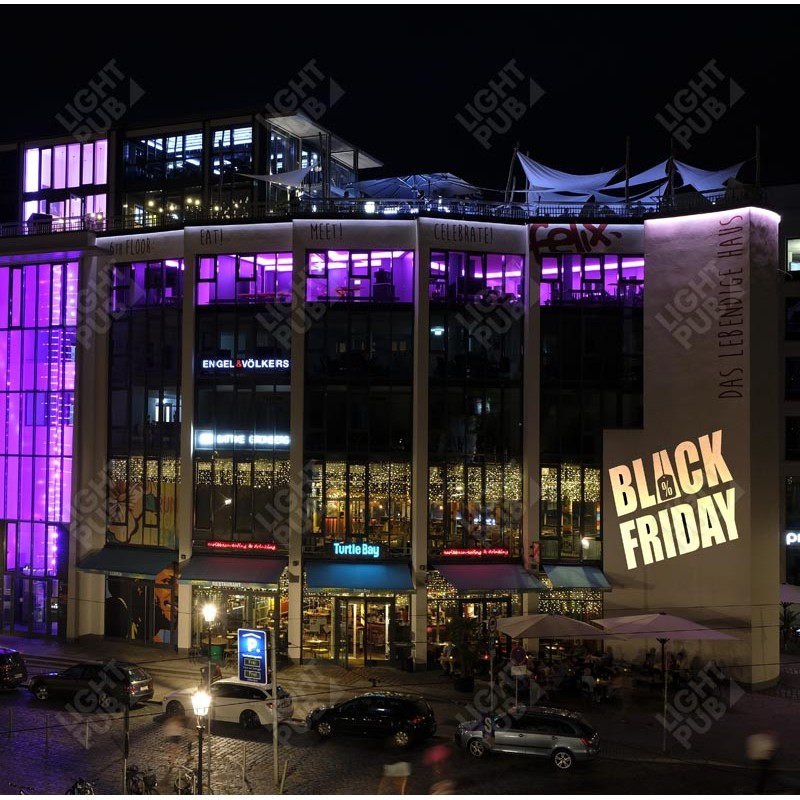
<point x="209" y="615"/>
<point x="201" y="703"/>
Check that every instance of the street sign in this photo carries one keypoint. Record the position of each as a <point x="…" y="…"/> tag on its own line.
<point x="252" y="656"/>
<point x="518" y="656"/>
<point x="492" y="624"/>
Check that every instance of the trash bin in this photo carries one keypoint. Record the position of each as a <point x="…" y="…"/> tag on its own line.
<point x="216" y="652"/>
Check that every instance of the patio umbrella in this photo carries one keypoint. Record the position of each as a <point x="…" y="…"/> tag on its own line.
<point x="661" y="627"/>
<point x="548" y="626"/>
<point x="411" y="187"/>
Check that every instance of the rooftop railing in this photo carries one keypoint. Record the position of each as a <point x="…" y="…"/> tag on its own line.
<point x="690" y="203"/>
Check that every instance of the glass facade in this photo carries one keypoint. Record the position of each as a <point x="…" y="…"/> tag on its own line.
<point x="66" y="181"/>
<point x="38" y="316"/>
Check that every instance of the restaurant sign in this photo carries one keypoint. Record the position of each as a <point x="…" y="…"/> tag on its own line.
<point x="365" y="550"/>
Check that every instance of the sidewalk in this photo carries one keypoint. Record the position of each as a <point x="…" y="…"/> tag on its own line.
<point x="699" y="729"/>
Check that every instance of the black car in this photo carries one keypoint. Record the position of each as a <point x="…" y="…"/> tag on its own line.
<point x="402" y="718"/>
<point x="12" y="668"/>
<point x="106" y="684"/>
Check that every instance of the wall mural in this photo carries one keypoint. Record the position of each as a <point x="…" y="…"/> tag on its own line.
<point x="142" y="513"/>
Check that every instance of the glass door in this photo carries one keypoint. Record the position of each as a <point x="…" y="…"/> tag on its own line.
<point x="363" y="631"/>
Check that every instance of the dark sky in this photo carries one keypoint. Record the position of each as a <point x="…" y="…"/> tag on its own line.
<point x="408" y="73"/>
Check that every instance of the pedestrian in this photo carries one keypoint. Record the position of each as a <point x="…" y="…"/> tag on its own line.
<point x="446" y="659"/>
<point x="395" y="778"/>
<point x="761" y="748"/>
<point x="174" y="735"/>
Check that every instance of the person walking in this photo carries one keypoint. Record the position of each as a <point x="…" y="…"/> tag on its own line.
<point x="761" y="748"/>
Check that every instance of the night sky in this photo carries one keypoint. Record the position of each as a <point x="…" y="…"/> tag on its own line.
<point x="581" y="80"/>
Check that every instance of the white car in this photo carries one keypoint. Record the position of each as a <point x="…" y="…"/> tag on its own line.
<point x="233" y="700"/>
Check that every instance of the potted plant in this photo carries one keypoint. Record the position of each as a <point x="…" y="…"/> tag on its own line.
<point x="464" y="634"/>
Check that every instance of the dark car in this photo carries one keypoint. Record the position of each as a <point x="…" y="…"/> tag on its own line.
<point x="402" y="718"/>
<point x="106" y="684"/>
<point x="12" y="668"/>
<point x="562" y="736"/>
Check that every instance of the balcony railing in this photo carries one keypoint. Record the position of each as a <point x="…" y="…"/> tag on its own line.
<point x="383" y="208"/>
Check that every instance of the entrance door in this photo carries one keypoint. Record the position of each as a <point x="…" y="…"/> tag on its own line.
<point x="363" y="631"/>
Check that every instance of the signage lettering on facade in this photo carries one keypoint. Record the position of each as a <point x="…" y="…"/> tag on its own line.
<point x="460" y="232"/>
<point x="208" y="440"/>
<point x="364" y="549"/>
<point x="132" y="247"/>
<point x="211" y="236"/>
<point x="475" y="552"/>
<point x="326" y="231"/>
<point x="792" y="537"/>
<point x="704" y="518"/>
<point x="243" y="545"/>
<point x="244" y="363"/>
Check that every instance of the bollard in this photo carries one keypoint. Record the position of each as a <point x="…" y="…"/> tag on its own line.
<point x="46" y="732"/>
<point x="244" y="760"/>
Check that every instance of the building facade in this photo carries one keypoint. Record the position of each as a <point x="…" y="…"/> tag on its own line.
<point x="349" y="421"/>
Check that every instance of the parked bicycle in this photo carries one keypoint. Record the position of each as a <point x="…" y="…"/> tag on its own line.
<point x="139" y="781"/>
<point x="81" y="786"/>
<point x="186" y="780"/>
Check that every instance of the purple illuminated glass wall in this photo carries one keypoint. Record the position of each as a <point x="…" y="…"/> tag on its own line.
<point x="373" y="276"/>
<point x="38" y="306"/>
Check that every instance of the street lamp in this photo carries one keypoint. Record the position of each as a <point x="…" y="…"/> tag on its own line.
<point x="201" y="703"/>
<point x="209" y="615"/>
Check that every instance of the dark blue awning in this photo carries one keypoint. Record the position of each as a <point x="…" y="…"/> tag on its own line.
<point x="132" y="561"/>
<point x="577" y="577"/>
<point x="389" y="577"/>
<point x="489" y="577"/>
<point x="233" y="569"/>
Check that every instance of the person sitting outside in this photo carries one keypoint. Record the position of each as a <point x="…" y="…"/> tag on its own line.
<point x="447" y="658"/>
<point x="588" y="685"/>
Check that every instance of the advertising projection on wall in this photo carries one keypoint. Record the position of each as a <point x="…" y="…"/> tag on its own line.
<point x="675" y="502"/>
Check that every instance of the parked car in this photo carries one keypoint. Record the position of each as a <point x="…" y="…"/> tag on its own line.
<point x="13" y="671"/>
<point x="96" y="683"/>
<point x="402" y="718"/>
<point x="233" y="700"/>
<point x="563" y="736"/>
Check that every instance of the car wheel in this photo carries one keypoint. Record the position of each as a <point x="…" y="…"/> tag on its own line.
<point x="175" y="709"/>
<point x="248" y="719"/>
<point x="324" y="729"/>
<point x="563" y="759"/>
<point x="476" y="747"/>
<point x="40" y="691"/>
<point x="104" y="701"/>
<point x="401" y="738"/>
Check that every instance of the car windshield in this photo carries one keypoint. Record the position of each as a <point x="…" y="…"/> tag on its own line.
<point x="137" y="674"/>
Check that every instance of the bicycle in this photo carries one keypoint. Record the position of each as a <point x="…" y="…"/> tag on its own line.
<point x="139" y="781"/>
<point x="186" y="781"/>
<point x="80" y="786"/>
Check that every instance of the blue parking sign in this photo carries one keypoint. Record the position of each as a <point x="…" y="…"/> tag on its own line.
<point x="252" y="656"/>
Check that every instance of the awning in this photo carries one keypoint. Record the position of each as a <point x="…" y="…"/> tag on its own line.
<point x="233" y="569"/>
<point x="486" y="577"/>
<point x="577" y="577"/>
<point x="390" y="577"/>
<point x="134" y="561"/>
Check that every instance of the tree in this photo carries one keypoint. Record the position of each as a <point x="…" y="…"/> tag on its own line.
<point x="790" y="620"/>
<point x="465" y="635"/>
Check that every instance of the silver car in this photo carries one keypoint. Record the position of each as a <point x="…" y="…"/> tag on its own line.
<point x="564" y="737"/>
<point x="233" y="700"/>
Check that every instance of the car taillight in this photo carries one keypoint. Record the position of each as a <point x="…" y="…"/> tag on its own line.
<point x="418" y="720"/>
<point x="586" y="742"/>
<point x="129" y="689"/>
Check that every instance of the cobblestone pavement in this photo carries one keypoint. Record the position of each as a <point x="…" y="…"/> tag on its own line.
<point x="704" y="746"/>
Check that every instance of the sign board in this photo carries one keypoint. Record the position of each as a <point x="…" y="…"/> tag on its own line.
<point x="492" y="624"/>
<point x="519" y="670"/>
<point x="252" y="656"/>
<point x="518" y="656"/>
